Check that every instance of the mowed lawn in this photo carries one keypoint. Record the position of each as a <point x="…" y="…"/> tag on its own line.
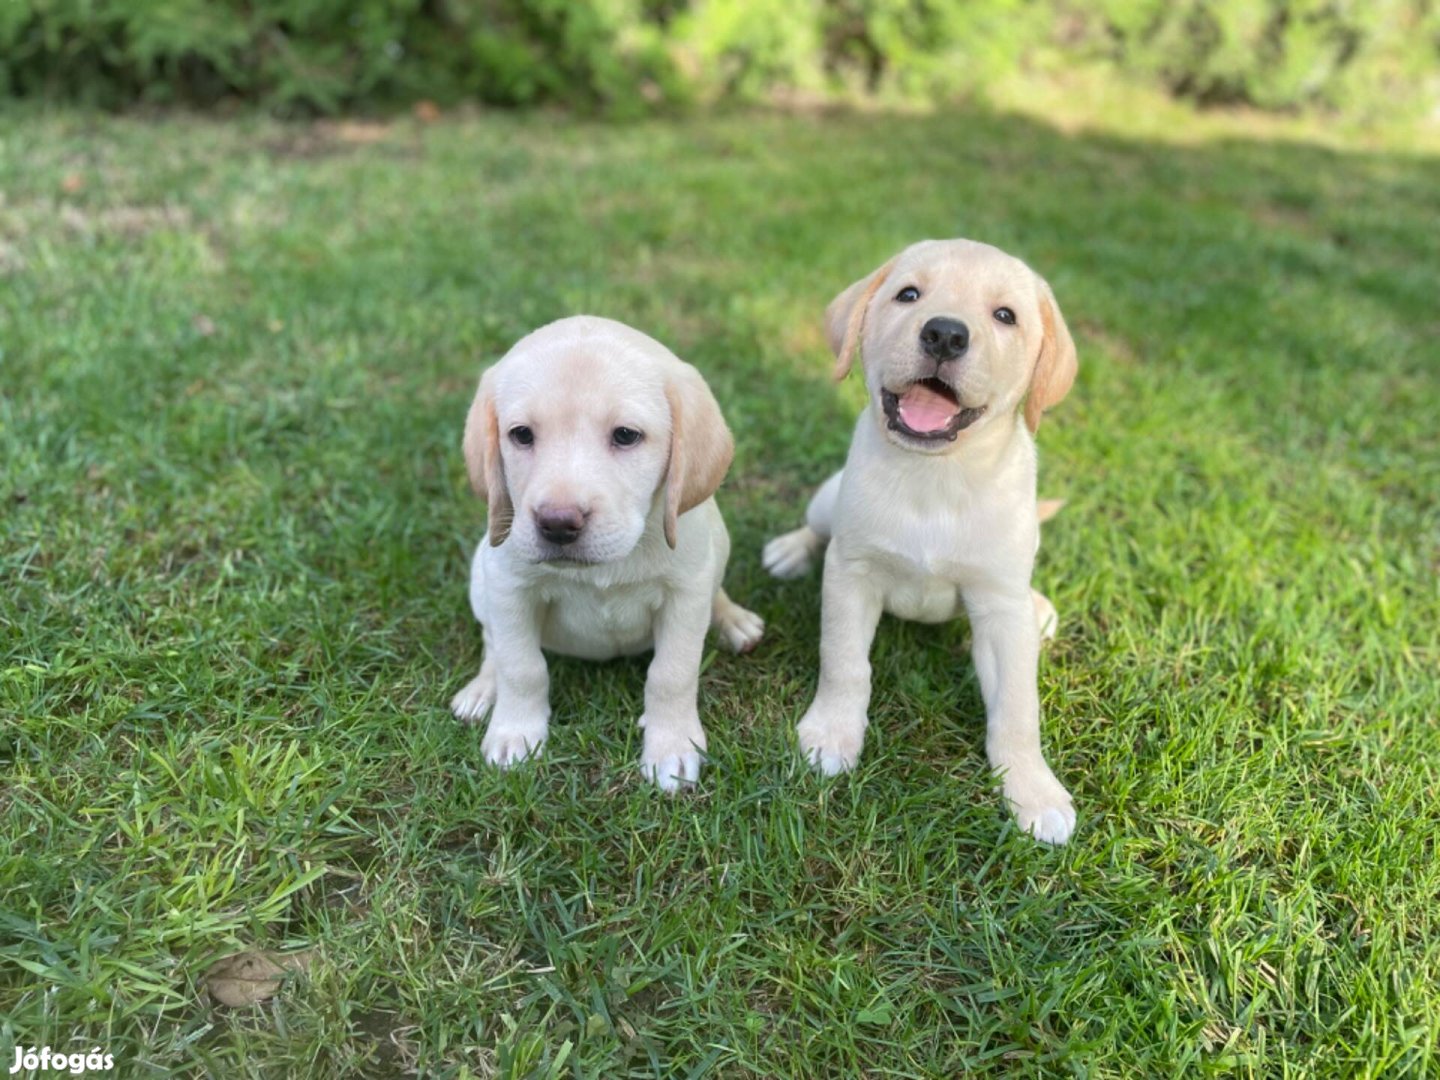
<point x="235" y="357"/>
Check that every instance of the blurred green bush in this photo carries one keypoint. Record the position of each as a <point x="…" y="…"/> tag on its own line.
<point x="630" y="56"/>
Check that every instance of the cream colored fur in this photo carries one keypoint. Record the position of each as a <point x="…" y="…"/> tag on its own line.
<point x="646" y="569"/>
<point x="928" y="530"/>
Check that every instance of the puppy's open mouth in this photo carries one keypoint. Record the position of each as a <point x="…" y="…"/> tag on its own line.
<point x="929" y="411"/>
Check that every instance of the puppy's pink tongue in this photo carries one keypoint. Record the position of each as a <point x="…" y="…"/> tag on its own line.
<point x="925" y="410"/>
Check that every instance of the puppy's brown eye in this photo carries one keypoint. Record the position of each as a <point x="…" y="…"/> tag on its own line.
<point x="522" y="436"/>
<point x="625" y="436"/>
<point x="1005" y="315"/>
<point x="908" y="295"/>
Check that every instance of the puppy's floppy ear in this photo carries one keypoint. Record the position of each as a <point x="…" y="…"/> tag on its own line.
<point x="1056" y="366"/>
<point x="482" y="459"/>
<point x="701" y="448"/>
<point x="845" y="318"/>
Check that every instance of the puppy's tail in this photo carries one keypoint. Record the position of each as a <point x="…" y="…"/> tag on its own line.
<point x="1048" y="508"/>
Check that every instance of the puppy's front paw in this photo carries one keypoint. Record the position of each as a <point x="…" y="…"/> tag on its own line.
<point x="670" y="758"/>
<point x="509" y="741"/>
<point x="1042" y="806"/>
<point x="790" y="555"/>
<point x="831" y="744"/>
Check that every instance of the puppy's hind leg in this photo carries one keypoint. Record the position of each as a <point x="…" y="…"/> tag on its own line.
<point x="1045" y="615"/>
<point x="477" y="697"/>
<point x="790" y="554"/>
<point x="740" y="629"/>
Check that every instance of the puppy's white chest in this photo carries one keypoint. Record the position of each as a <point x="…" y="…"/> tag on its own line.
<point x="922" y="598"/>
<point x="923" y="565"/>
<point x="946" y="553"/>
<point x="941" y="546"/>
<point x="601" y="623"/>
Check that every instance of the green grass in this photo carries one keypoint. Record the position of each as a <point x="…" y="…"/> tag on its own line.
<point x="234" y="363"/>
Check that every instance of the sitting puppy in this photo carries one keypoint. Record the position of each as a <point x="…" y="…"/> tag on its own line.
<point x="598" y="451"/>
<point x="935" y="509"/>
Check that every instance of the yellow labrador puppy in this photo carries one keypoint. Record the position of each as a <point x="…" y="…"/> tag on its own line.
<point x="598" y="451"/>
<point x="935" y="510"/>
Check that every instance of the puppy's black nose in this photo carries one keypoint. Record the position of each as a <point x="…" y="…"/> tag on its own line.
<point x="559" y="524"/>
<point x="944" y="339"/>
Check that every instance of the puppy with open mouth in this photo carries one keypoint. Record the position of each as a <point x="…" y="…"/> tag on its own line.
<point x="599" y="452"/>
<point x="963" y="349"/>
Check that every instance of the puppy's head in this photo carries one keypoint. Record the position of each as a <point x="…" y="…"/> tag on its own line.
<point x="953" y="334"/>
<point x="583" y="433"/>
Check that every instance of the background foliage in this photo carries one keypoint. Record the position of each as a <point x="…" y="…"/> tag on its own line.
<point x="630" y="56"/>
